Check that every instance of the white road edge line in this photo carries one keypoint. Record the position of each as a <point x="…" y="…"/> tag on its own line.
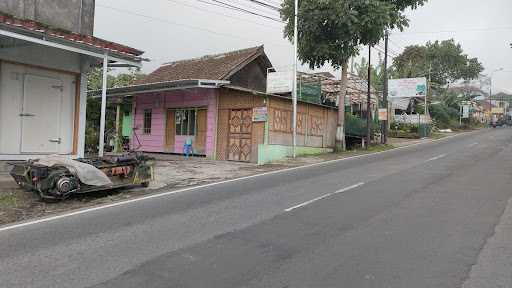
<point x="436" y="158"/>
<point x="473" y="144"/>
<point x="163" y="194"/>
<point x="323" y="197"/>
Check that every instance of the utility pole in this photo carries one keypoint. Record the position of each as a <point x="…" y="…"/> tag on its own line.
<point x="294" y="96"/>
<point x="490" y="100"/>
<point x="103" y="106"/>
<point x="384" y="125"/>
<point x="426" y="96"/>
<point x="369" y="99"/>
<point x="490" y="93"/>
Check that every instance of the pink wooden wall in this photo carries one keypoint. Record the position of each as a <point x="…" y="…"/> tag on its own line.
<point x="159" y="103"/>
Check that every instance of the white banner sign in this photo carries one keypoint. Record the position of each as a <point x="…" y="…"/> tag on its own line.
<point x="465" y="111"/>
<point x="280" y="82"/>
<point x="407" y="88"/>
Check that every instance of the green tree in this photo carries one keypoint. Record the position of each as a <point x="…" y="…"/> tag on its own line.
<point x="94" y="82"/>
<point x="445" y="60"/>
<point x="331" y="31"/>
<point x="377" y="73"/>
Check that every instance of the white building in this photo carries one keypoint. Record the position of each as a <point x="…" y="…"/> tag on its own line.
<point x="43" y="83"/>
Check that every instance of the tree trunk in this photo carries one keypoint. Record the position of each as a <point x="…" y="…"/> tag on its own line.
<point x="340" y="131"/>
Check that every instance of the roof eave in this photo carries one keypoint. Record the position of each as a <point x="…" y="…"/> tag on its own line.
<point x="64" y="44"/>
<point x="264" y="94"/>
<point x="160" y="87"/>
<point x="257" y="53"/>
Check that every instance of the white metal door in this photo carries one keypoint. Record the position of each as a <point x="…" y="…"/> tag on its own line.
<point x="42" y="97"/>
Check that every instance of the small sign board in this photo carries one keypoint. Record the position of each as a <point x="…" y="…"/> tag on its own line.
<point x="383" y="114"/>
<point x="465" y="111"/>
<point x="280" y="82"/>
<point x="408" y="87"/>
<point x="259" y="114"/>
<point x="497" y="110"/>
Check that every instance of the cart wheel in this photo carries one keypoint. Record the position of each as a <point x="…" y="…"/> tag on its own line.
<point x="145" y="184"/>
<point x="24" y="187"/>
<point x="49" y="200"/>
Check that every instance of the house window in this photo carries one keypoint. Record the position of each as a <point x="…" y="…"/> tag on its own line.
<point x="147" y="121"/>
<point x="186" y="122"/>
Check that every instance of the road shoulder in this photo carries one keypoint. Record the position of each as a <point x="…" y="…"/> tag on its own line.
<point x="17" y="205"/>
<point x="494" y="265"/>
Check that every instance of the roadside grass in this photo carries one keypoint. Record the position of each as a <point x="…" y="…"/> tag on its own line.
<point x="371" y="149"/>
<point x="358" y="151"/>
<point x="9" y="200"/>
<point x="437" y="136"/>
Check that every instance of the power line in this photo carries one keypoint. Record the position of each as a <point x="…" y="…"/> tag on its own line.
<point x="455" y="31"/>
<point x="180" y="24"/>
<point x="233" y="7"/>
<point x="380" y="49"/>
<point x="245" y="7"/>
<point x="265" y="5"/>
<point x="397" y="45"/>
<point x="276" y="3"/>
<point x="222" y="14"/>
<point x="252" y="6"/>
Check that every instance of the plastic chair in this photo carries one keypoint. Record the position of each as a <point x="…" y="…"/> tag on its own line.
<point x="187" y="148"/>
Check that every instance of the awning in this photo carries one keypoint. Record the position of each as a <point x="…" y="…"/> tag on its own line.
<point x="109" y="53"/>
<point x="39" y="33"/>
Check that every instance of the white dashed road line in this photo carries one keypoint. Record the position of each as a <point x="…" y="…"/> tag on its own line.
<point x="436" y="158"/>
<point x="323" y="197"/>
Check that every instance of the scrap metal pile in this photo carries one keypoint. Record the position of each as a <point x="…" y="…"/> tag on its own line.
<point x="57" y="177"/>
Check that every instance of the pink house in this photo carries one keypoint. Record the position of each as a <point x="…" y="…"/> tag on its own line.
<point x="218" y="103"/>
<point x="179" y="101"/>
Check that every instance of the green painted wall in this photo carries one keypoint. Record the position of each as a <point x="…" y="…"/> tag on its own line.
<point x="271" y="153"/>
<point x="127" y="125"/>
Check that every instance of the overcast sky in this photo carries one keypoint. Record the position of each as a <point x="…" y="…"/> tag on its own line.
<point x="179" y="29"/>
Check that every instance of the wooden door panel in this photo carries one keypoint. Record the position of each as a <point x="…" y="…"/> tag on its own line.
<point x="200" y="141"/>
<point x="240" y="135"/>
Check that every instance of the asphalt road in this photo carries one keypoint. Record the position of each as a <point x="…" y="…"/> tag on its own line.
<point x="414" y="217"/>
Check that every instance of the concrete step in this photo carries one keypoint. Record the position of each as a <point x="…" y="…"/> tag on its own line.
<point x="4" y="168"/>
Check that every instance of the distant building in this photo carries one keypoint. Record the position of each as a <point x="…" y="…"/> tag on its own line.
<point x="356" y="95"/>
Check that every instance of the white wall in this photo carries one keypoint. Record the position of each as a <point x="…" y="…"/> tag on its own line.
<point x="11" y="97"/>
<point x="43" y="56"/>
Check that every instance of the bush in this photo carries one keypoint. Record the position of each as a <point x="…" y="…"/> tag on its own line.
<point x="445" y="116"/>
<point x="404" y="130"/>
<point x="355" y="126"/>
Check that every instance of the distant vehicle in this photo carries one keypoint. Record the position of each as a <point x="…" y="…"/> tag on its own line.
<point x="508" y="122"/>
<point x="499" y="123"/>
<point x="58" y="177"/>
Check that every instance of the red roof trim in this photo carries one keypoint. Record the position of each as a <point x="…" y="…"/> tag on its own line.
<point x="33" y="26"/>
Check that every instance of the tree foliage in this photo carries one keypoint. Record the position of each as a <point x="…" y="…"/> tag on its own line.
<point x="377" y="73"/>
<point x="446" y="61"/>
<point x="94" y="82"/>
<point x="331" y="31"/>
